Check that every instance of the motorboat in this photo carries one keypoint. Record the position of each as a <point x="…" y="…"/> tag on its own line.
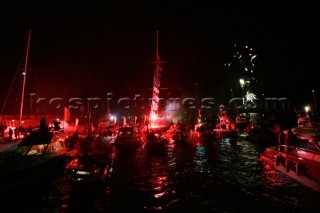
<point x="307" y="131"/>
<point x="36" y="155"/>
<point x="300" y="162"/>
<point x="262" y="135"/>
<point x="36" y="149"/>
<point x="128" y="140"/>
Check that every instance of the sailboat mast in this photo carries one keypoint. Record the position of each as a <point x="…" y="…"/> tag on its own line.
<point x="155" y="89"/>
<point x="156" y="71"/>
<point x="24" y="78"/>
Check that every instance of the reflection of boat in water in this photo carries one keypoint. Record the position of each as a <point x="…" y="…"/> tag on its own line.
<point x="36" y="153"/>
<point x="300" y="162"/>
<point x="128" y="140"/>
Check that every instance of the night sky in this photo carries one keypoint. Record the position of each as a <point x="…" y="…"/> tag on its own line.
<point x="91" y="49"/>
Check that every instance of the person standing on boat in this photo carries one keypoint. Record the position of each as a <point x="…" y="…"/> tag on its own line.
<point x="16" y="133"/>
<point x="56" y="125"/>
<point x="10" y="134"/>
<point x="290" y="141"/>
<point x="43" y="125"/>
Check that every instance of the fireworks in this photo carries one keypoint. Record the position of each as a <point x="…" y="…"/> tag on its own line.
<point x="243" y="68"/>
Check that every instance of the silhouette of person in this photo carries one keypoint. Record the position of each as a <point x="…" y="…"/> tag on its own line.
<point x="290" y="140"/>
<point x="43" y="125"/>
<point x="10" y="134"/>
<point x="16" y="133"/>
<point x="56" y="125"/>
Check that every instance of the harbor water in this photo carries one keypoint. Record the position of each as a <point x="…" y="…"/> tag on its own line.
<point x="204" y="176"/>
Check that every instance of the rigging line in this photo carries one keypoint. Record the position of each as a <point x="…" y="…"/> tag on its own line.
<point x="12" y="82"/>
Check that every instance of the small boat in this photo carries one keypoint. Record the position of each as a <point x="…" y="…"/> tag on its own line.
<point x="156" y="142"/>
<point x="128" y="140"/>
<point x="37" y="154"/>
<point x="242" y="122"/>
<point x="307" y="131"/>
<point x="203" y="130"/>
<point x="87" y="168"/>
<point x="263" y="136"/>
<point x="182" y="137"/>
<point x="300" y="162"/>
<point x="109" y="134"/>
<point x="225" y="128"/>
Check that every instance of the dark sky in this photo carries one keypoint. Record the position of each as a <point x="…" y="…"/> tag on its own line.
<point x="94" y="48"/>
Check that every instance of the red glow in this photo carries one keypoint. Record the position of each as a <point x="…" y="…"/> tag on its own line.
<point x="271" y="177"/>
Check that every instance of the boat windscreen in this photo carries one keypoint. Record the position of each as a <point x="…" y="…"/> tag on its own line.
<point x="36" y="138"/>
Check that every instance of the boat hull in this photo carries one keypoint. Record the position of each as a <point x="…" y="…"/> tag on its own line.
<point x="128" y="140"/>
<point x="128" y="145"/>
<point x="302" y="170"/>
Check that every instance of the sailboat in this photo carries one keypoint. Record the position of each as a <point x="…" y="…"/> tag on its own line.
<point x="12" y="142"/>
<point x="155" y="121"/>
<point x="156" y="142"/>
<point x="11" y="132"/>
<point x="36" y="153"/>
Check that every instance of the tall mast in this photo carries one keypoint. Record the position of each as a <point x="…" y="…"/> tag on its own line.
<point x="156" y="86"/>
<point x="156" y="69"/>
<point x="24" y="78"/>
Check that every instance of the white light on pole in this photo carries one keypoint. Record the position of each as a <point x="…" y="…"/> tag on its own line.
<point x="307" y="108"/>
<point x="241" y="83"/>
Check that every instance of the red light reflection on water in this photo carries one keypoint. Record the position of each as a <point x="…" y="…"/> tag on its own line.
<point x="271" y="176"/>
<point x="159" y="185"/>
